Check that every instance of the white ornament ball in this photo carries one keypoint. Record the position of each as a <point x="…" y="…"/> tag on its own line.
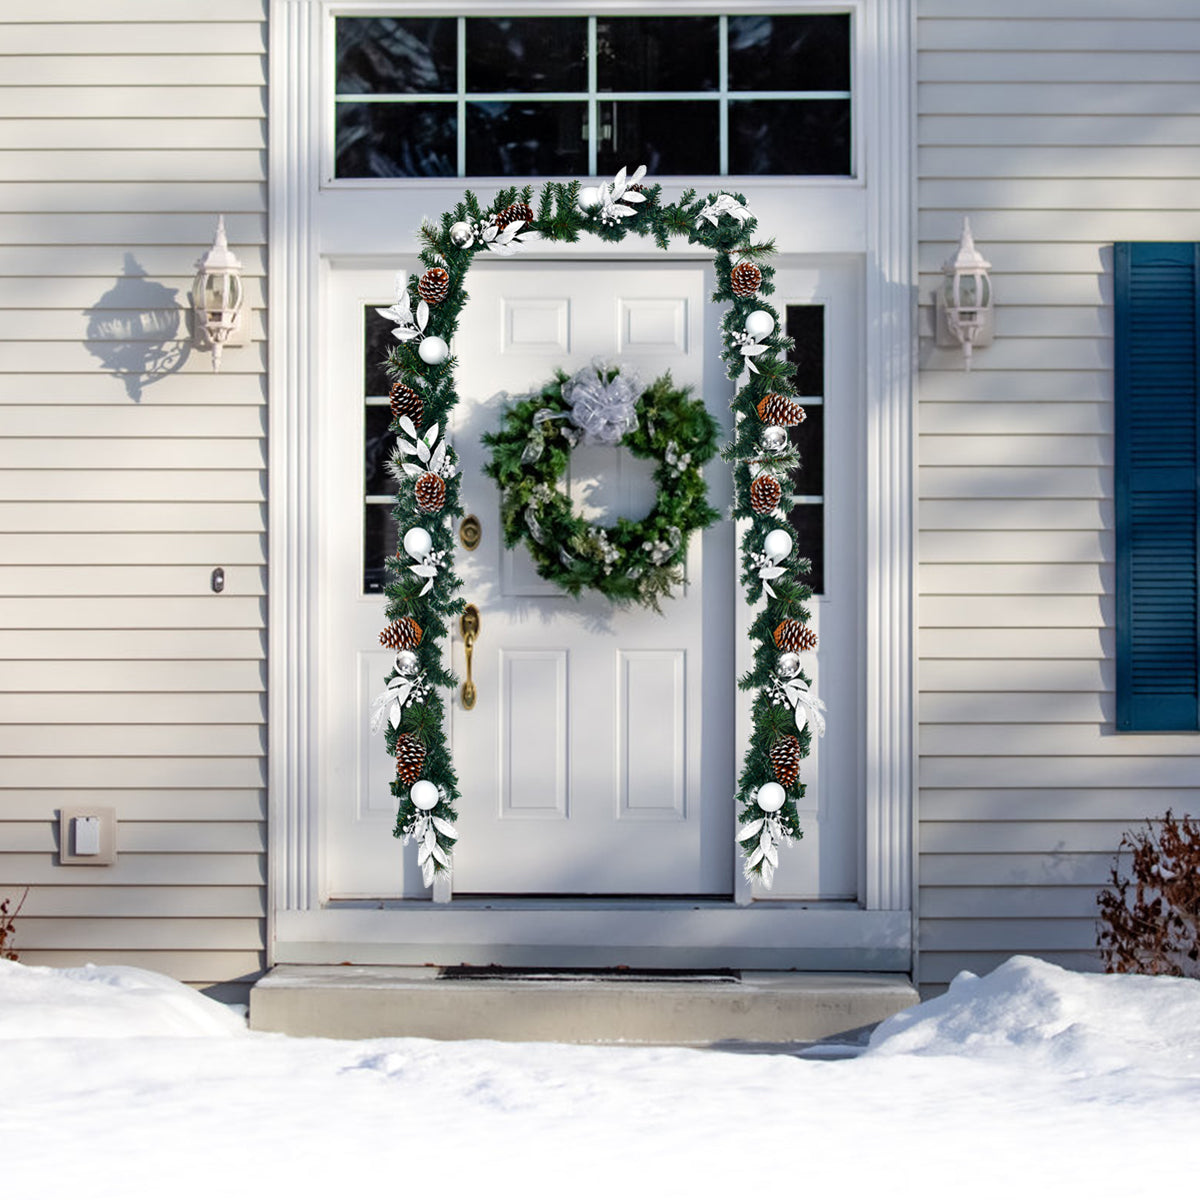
<point x="771" y="797"/>
<point x="433" y="350"/>
<point x="407" y="662"/>
<point x="424" y="794"/>
<point x="777" y="544"/>
<point x="461" y="234"/>
<point x="788" y="666"/>
<point x="774" y="438"/>
<point x="760" y="324"/>
<point x="418" y="543"/>
<point x="589" y="198"/>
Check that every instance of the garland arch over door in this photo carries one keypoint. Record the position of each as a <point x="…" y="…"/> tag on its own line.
<point x="423" y="600"/>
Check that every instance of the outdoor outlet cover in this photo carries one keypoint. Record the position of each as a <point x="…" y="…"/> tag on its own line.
<point x="87" y="836"/>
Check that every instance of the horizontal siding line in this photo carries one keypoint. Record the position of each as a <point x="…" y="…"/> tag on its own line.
<point x="991" y="626"/>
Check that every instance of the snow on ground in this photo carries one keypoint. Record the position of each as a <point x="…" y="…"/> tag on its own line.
<point x="1029" y="1082"/>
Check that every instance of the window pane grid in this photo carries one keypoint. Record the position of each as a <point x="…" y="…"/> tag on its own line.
<point x="460" y="126"/>
<point x="593" y="109"/>
<point x="522" y="114"/>
<point x="496" y="97"/>
<point x="723" y="84"/>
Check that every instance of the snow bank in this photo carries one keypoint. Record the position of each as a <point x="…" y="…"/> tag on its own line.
<point x="962" y="1095"/>
<point x="1029" y="1009"/>
<point x="105" y="1002"/>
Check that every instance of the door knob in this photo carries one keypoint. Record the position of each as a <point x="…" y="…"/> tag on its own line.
<point x="468" y="625"/>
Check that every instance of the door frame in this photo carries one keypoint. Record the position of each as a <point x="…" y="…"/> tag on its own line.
<point x="869" y="219"/>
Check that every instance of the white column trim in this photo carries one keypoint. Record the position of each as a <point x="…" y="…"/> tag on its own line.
<point x="885" y="111"/>
<point x="293" y="178"/>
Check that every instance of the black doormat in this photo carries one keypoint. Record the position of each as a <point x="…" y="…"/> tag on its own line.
<point x="602" y="975"/>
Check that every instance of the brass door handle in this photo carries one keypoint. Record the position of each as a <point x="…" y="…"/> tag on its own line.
<point x="468" y="625"/>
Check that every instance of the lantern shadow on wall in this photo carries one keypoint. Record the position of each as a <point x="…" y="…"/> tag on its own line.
<point x="137" y="330"/>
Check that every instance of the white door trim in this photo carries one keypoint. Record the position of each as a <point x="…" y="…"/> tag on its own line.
<point x="886" y="244"/>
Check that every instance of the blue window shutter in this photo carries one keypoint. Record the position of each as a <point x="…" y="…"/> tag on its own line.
<point x="1157" y="477"/>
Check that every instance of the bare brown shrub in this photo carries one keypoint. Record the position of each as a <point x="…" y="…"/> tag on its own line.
<point x="8" y="926"/>
<point x="1150" y="918"/>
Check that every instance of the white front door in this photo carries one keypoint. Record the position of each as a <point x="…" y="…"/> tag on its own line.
<point x="598" y="758"/>
<point x="582" y="765"/>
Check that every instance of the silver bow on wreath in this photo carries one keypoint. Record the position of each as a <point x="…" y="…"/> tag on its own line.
<point x="605" y="412"/>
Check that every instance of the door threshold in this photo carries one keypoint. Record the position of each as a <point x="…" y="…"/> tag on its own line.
<point x="620" y="975"/>
<point x="474" y="902"/>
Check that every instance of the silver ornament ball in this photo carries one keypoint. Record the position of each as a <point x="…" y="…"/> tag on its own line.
<point x="433" y="350"/>
<point x="777" y="544"/>
<point x="774" y="438"/>
<point x="589" y="198"/>
<point x="770" y="798"/>
<point x="417" y="542"/>
<point x="424" y="795"/>
<point x="788" y="666"/>
<point x="760" y="324"/>
<point x="407" y="662"/>
<point x="461" y="234"/>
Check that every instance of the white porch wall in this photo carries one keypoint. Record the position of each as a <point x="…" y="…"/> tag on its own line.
<point x="124" y="129"/>
<point x="1059" y="127"/>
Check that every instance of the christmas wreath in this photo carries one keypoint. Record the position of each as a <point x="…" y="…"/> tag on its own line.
<point x="422" y="589"/>
<point x="631" y="562"/>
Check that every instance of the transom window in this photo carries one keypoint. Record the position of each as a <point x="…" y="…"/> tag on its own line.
<point x="746" y="94"/>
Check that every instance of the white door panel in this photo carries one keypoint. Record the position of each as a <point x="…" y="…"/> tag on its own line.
<point x="590" y="717"/>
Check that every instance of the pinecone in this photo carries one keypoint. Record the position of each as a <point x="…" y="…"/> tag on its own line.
<point x="775" y="409"/>
<point x="406" y="403"/>
<point x="785" y="758"/>
<point x="431" y="492"/>
<point x="792" y="635"/>
<point x="404" y="634"/>
<point x="745" y="280"/>
<point x="434" y="285"/>
<point x="514" y="212"/>
<point x="410" y="757"/>
<point x="765" y="493"/>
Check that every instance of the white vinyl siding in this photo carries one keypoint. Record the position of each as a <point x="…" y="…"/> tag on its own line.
<point x="1058" y="129"/>
<point x="125" y="129"/>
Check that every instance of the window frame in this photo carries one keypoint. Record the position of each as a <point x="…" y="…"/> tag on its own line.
<point x="464" y="9"/>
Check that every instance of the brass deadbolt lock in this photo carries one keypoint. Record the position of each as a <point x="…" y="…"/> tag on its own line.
<point x="469" y="532"/>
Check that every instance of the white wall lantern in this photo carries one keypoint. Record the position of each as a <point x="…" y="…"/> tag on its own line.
<point x="217" y="297"/>
<point x="964" y="301"/>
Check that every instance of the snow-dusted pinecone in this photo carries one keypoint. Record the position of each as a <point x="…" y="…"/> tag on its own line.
<point x="406" y="403"/>
<point x="745" y="280"/>
<point x="785" y="758"/>
<point x="792" y="635"/>
<point x="410" y="757"/>
<point x="765" y="493"/>
<point x="514" y="212"/>
<point x="431" y="492"/>
<point x="775" y="409"/>
<point x="434" y="285"/>
<point x="403" y="634"/>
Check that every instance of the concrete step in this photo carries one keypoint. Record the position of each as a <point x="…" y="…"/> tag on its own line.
<point x="759" y="1007"/>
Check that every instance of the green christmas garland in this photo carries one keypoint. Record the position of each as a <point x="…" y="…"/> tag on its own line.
<point x="631" y="562"/>
<point x="422" y="589"/>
